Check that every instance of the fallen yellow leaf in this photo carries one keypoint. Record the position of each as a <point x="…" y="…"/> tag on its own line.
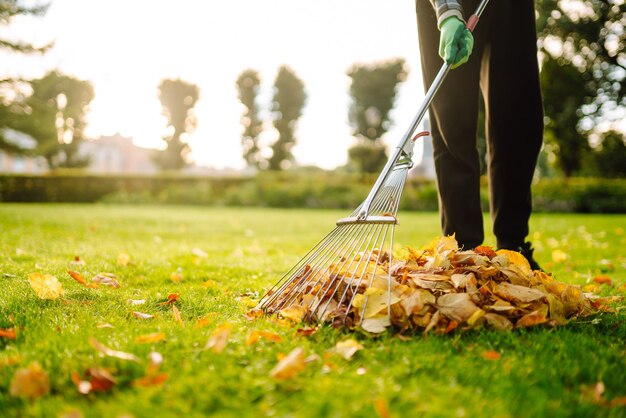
<point x="45" y="286"/>
<point x="155" y="337"/>
<point x="348" y="348"/>
<point x="218" y="340"/>
<point x="123" y="259"/>
<point x="289" y="366"/>
<point x="31" y="382"/>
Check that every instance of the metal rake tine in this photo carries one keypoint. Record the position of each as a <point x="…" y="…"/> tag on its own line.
<point x="354" y="271"/>
<point x="370" y="250"/>
<point x="332" y="280"/>
<point x="380" y="253"/>
<point x="294" y="293"/>
<point x="327" y="246"/>
<point x="293" y="273"/>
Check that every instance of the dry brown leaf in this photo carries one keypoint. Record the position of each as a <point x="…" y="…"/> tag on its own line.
<point x="382" y="408"/>
<point x="294" y="313"/>
<point x="109" y="352"/>
<point x="45" y="286"/>
<point x="153" y="380"/>
<point x="106" y="279"/>
<point x="30" y="382"/>
<point x="255" y="335"/>
<point x="456" y="306"/>
<point x="491" y="355"/>
<point x="517" y="294"/>
<point x="348" y="348"/>
<point x="95" y="379"/>
<point x="307" y="331"/>
<point x="289" y="366"/>
<point x="531" y="319"/>
<point x="603" y="280"/>
<point x="155" y="337"/>
<point x="107" y="325"/>
<point x="219" y="339"/>
<point x="176" y="315"/>
<point x="9" y="333"/>
<point x="141" y="315"/>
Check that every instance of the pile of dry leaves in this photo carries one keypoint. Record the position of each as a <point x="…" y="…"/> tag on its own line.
<point x="439" y="288"/>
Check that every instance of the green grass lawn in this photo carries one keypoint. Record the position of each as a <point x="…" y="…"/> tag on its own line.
<point x="541" y="372"/>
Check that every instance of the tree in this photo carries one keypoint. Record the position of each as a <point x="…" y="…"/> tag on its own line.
<point x="609" y="158"/>
<point x="11" y="88"/>
<point x="287" y="104"/>
<point x="582" y="42"/>
<point x="12" y="8"/>
<point x="373" y="92"/>
<point x="54" y="115"/>
<point x="248" y="84"/>
<point x="564" y="94"/>
<point x="178" y="99"/>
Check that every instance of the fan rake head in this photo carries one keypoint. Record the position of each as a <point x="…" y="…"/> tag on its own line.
<point x="333" y="282"/>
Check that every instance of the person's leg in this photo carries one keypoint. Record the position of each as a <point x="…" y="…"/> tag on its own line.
<point x="514" y="117"/>
<point x="453" y="120"/>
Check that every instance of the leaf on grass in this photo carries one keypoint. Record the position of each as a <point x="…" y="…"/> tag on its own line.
<point x="348" y="348"/>
<point x="255" y="335"/>
<point x="155" y="337"/>
<point x="45" y="286"/>
<point x="106" y="279"/>
<point x="141" y="315"/>
<point x="9" y="333"/>
<point x="152" y="376"/>
<point x="382" y="408"/>
<point x="603" y="280"/>
<point x="109" y="352"/>
<point x="559" y="256"/>
<point x="289" y="366"/>
<point x="136" y="302"/>
<point x="199" y="253"/>
<point x="176" y="276"/>
<point x="219" y="339"/>
<point x="171" y="298"/>
<point x="176" y="314"/>
<point x="123" y="259"/>
<point x="30" y="382"/>
<point x="491" y="355"/>
<point x="10" y="361"/>
<point x="307" y="331"/>
<point x="95" y="379"/>
<point x="152" y="380"/>
<point x="107" y="325"/>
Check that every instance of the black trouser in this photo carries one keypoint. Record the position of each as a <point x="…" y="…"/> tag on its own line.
<point x="504" y="66"/>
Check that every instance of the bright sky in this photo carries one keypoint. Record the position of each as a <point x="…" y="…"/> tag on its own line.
<point x="126" y="47"/>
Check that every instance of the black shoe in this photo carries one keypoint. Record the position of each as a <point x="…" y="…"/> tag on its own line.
<point x="527" y="251"/>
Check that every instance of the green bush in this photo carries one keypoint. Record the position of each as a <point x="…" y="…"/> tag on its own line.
<point x="292" y="190"/>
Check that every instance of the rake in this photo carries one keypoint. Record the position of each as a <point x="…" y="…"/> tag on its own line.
<point x="333" y="281"/>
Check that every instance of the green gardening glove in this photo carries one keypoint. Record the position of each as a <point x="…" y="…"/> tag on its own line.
<point x="456" y="42"/>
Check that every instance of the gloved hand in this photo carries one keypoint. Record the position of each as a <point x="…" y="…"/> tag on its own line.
<point x="456" y="42"/>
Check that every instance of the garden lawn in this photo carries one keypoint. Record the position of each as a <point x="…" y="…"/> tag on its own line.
<point x="212" y="256"/>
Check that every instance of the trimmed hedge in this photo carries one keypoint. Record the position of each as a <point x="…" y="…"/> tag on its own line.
<point x="290" y="189"/>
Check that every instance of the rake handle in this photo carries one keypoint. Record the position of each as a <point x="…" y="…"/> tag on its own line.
<point x="402" y="146"/>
